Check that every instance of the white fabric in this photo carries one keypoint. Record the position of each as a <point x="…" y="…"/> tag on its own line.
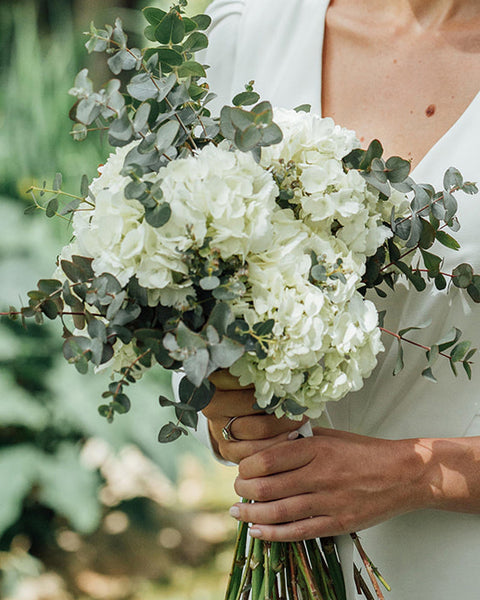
<point x="431" y="555"/>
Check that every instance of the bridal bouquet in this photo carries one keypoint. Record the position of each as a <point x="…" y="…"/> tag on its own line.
<point x="243" y="241"/>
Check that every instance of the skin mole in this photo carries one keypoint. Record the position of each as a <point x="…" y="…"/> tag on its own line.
<point x="430" y="110"/>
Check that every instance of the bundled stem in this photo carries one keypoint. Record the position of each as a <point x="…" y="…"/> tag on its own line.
<point x="308" y="570"/>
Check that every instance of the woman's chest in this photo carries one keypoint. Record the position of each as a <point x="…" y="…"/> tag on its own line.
<point x="407" y="90"/>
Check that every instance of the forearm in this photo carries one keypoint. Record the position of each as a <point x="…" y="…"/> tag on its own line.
<point x="451" y="474"/>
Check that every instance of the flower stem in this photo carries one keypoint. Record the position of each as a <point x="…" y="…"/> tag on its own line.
<point x="372" y="571"/>
<point x="320" y="570"/>
<point x="361" y="585"/>
<point x="292" y="579"/>
<point x="236" y="570"/>
<point x="256" y="565"/>
<point x="304" y="568"/>
<point x="335" y="568"/>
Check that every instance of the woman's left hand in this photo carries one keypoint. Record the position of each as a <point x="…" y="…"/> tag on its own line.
<point x="330" y="484"/>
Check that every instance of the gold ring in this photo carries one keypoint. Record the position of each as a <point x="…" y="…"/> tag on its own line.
<point x="227" y="433"/>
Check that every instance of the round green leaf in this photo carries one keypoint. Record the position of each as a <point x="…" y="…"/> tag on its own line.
<point x="462" y="275"/>
<point x="170" y="29"/>
<point x="159" y="215"/>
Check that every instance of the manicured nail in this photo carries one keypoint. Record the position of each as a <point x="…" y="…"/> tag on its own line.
<point x="255" y="533"/>
<point x="235" y="512"/>
<point x="293" y="435"/>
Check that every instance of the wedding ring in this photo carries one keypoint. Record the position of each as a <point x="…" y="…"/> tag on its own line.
<point x="227" y="433"/>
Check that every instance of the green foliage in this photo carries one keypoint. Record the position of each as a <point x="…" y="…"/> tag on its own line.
<point x="431" y="213"/>
<point x="45" y="66"/>
<point x="46" y="411"/>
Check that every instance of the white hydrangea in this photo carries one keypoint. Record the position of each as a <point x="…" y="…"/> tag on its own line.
<point x="325" y="335"/>
<point x="225" y="196"/>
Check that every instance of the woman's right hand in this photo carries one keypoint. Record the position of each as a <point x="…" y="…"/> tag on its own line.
<point x="252" y="430"/>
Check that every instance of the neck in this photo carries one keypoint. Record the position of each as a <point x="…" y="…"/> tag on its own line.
<point x="426" y="13"/>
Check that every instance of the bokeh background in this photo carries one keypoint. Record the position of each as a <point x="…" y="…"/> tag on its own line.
<point x="87" y="510"/>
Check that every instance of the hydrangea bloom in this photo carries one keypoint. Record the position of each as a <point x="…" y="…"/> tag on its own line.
<point x="325" y="335"/>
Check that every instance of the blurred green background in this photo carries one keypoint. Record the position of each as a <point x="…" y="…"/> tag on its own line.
<point x="87" y="510"/>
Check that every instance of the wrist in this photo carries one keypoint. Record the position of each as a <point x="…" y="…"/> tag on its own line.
<point x="449" y="479"/>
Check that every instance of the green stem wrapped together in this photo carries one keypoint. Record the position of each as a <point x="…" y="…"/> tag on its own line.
<point x="308" y="570"/>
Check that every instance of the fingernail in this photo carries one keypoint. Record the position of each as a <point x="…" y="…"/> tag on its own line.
<point x="234" y="512"/>
<point x="293" y="435"/>
<point x="255" y="533"/>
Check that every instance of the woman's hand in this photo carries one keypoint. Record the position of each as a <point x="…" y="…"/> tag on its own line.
<point x="252" y="430"/>
<point x="331" y="484"/>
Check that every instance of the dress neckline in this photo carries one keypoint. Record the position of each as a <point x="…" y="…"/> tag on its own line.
<point x="447" y="134"/>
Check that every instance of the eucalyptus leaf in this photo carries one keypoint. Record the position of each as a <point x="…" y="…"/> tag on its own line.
<point x="197" y="397"/>
<point x="447" y="240"/>
<point x="226" y="353"/>
<point x="187" y="416"/>
<point x="203" y="21"/>
<point x="452" y="179"/>
<point x="474" y="289"/>
<point x="196" y="365"/>
<point x="143" y="87"/>
<point x="272" y="134"/>
<point x="153" y="15"/>
<point x="398" y="169"/>
<point x="170" y="29"/>
<point x="450" y="204"/>
<point x="432" y="262"/>
<point x="248" y="138"/>
<point x="462" y="276"/>
<point x="221" y="317"/>
<point x="303" y="108"/>
<point x="195" y="42"/>
<point x="166" y="135"/>
<point x="459" y="351"/>
<point x="291" y="407"/>
<point x="399" y="365"/>
<point x="246" y="98"/>
<point x="170" y="432"/>
<point x="209" y="283"/>
<point x="449" y="339"/>
<point x="169" y="57"/>
<point x="374" y="150"/>
<point x="416" y="228"/>
<point x="159" y="215"/>
<point x="120" y="131"/>
<point x="428" y="374"/>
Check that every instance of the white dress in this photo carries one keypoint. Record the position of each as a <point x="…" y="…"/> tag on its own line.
<point x="432" y="555"/>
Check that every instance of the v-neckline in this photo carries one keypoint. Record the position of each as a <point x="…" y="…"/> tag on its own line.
<point x="435" y="145"/>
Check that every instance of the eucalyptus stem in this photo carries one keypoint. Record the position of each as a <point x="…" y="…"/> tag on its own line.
<point x="267" y="567"/>
<point x="372" y="571"/>
<point x="334" y="566"/>
<point x="304" y="568"/>
<point x="277" y="554"/>
<point x="283" y="584"/>
<point x="256" y="565"/>
<point x="236" y="570"/>
<point x="320" y="570"/>
<point x="246" y="584"/>
<point x="362" y="587"/>
<point x="292" y="580"/>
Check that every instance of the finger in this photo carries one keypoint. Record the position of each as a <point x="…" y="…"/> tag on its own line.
<point x="238" y="451"/>
<point x="285" y="457"/>
<point x="230" y="404"/>
<point x="305" y="529"/>
<point x="261" y="427"/>
<point x="279" y="511"/>
<point x="274" y="487"/>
